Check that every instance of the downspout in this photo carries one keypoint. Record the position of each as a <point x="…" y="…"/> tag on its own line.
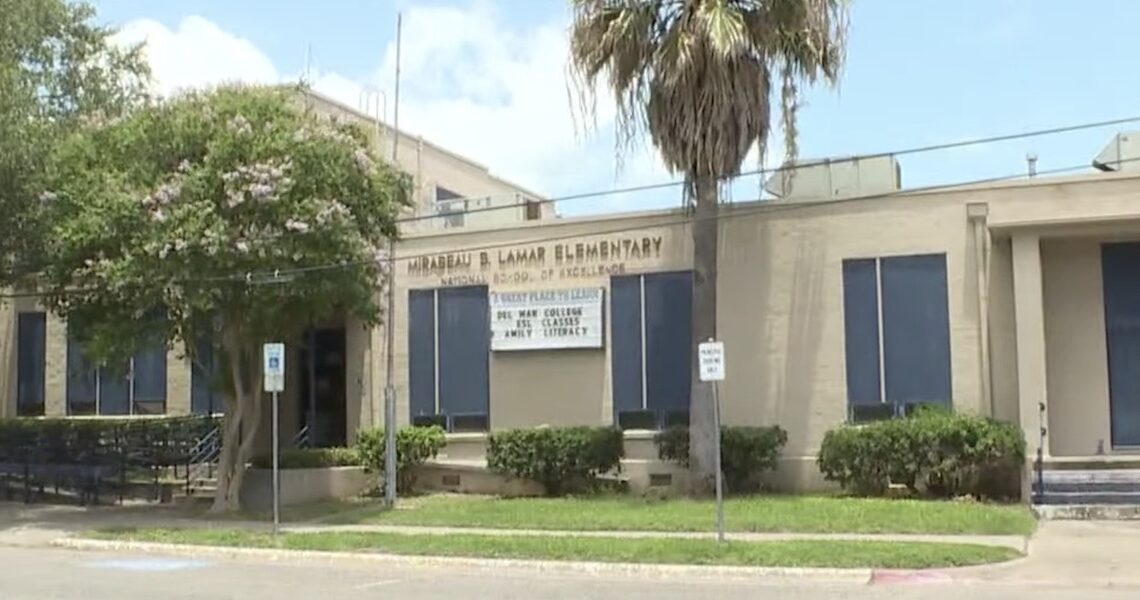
<point x="978" y="214"/>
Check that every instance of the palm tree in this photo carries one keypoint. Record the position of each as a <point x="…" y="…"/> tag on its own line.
<point x="698" y="75"/>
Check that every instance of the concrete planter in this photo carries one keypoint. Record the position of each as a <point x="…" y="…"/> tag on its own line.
<point x="302" y="486"/>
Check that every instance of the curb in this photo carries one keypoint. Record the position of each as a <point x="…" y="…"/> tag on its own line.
<point x="859" y="576"/>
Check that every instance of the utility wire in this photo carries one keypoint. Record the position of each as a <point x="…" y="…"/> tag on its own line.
<point x="762" y="207"/>
<point x="787" y="167"/>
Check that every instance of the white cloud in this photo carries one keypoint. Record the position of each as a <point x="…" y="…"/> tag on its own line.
<point x="469" y="82"/>
<point x="197" y="54"/>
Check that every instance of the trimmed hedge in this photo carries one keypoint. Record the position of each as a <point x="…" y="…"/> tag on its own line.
<point x="933" y="452"/>
<point x="563" y="459"/>
<point x="310" y="458"/>
<point x="152" y="442"/>
<point x="746" y="452"/>
<point x="414" y="446"/>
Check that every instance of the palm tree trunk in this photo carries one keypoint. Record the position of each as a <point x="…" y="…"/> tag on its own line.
<point x="702" y="415"/>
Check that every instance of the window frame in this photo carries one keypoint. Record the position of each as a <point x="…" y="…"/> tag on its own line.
<point x="455" y="422"/>
<point x="884" y="408"/>
<point x="23" y="408"/>
<point x="99" y="371"/>
<point x="660" y="416"/>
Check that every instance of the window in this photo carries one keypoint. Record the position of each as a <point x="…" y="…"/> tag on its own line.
<point x="449" y="342"/>
<point x="651" y="333"/>
<point x="32" y="338"/>
<point x="204" y="398"/>
<point x="897" y="334"/>
<point x="136" y="387"/>
<point x="533" y="210"/>
<point x="451" y="206"/>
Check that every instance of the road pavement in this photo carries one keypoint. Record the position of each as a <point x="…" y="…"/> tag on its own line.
<point x="28" y="573"/>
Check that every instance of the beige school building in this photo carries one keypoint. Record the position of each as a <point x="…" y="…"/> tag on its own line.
<point x="1019" y="300"/>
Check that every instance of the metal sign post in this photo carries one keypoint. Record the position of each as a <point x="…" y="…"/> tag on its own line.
<point x="273" y="374"/>
<point x="711" y="360"/>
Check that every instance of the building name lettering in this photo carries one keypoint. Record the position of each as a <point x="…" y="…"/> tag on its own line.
<point x="552" y="261"/>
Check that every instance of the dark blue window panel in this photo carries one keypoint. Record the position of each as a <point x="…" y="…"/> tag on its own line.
<point x="421" y="352"/>
<point x="861" y="331"/>
<point x="81" y="378"/>
<point x="464" y="349"/>
<point x="625" y="342"/>
<point x="150" y="377"/>
<point x="31" y="354"/>
<point x="916" y="329"/>
<point x="1120" y="266"/>
<point x="204" y="399"/>
<point x="668" y="335"/>
<point x="114" y="389"/>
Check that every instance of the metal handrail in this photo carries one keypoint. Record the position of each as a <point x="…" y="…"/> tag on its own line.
<point x="301" y="440"/>
<point x="1039" y="489"/>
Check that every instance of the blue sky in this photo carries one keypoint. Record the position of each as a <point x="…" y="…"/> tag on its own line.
<point x="485" y="78"/>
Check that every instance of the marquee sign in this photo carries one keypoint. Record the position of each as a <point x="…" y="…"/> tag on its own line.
<point x="547" y="319"/>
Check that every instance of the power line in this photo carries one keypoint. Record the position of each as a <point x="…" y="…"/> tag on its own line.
<point x="787" y="167"/>
<point x="762" y="207"/>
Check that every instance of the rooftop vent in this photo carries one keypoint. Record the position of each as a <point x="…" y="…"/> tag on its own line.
<point x="1121" y="154"/>
<point x="835" y="178"/>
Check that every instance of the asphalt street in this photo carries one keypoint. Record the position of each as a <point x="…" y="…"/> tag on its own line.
<point x="57" y="574"/>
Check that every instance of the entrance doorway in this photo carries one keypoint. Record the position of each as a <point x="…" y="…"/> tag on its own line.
<point x="1120" y="264"/>
<point x="323" y="404"/>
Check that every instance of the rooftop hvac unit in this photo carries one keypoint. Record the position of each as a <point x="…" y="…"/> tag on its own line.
<point x="1121" y="154"/>
<point x="835" y="178"/>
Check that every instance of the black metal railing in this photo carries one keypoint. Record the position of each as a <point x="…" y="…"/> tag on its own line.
<point x="1039" y="462"/>
<point x="86" y="459"/>
<point x="301" y="440"/>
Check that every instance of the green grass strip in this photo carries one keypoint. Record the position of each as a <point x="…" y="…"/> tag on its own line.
<point x="796" y="553"/>
<point x="799" y="514"/>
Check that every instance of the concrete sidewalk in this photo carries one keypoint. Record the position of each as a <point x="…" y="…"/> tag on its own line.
<point x="40" y="525"/>
<point x="1016" y="542"/>
<point x="1063" y="552"/>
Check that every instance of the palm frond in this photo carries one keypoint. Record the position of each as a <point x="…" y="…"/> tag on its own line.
<point x="697" y="75"/>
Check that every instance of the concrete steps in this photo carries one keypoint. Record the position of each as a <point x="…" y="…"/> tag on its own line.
<point x="1073" y="492"/>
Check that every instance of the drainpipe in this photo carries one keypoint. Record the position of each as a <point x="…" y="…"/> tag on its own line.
<point x="977" y="214"/>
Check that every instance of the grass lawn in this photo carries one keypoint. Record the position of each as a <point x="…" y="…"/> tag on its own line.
<point x="801" y="514"/>
<point x="841" y="554"/>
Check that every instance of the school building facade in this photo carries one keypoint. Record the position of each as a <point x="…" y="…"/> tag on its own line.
<point x="1018" y="300"/>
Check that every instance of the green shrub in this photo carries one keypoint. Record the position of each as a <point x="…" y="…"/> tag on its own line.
<point x="563" y="459"/>
<point x="146" y="442"/>
<point x="745" y="452"/>
<point x="310" y="458"/>
<point x="933" y="452"/>
<point x="414" y="446"/>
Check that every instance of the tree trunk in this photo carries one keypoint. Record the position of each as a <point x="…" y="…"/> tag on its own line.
<point x="242" y="420"/>
<point x="702" y="411"/>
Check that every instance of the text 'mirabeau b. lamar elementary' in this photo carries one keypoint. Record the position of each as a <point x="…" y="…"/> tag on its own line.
<point x="600" y="257"/>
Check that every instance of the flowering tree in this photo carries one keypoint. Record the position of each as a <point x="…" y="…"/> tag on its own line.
<point x="232" y="216"/>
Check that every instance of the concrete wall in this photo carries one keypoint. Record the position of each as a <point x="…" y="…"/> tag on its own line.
<point x="780" y="309"/>
<point x="303" y="486"/>
<point x="1003" y="338"/>
<point x="7" y="359"/>
<point x="1076" y="349"/>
